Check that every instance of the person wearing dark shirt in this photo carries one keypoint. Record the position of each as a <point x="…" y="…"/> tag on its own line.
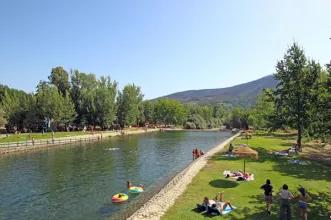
<point x="267" y="194"/>
<point x="231" y="148"/>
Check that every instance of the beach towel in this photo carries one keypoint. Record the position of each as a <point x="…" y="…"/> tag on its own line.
<point x="229" y="155"/>
<point x="278" y="153"/>
<point x="215" y="211"/>
<point x="297" y="162"/>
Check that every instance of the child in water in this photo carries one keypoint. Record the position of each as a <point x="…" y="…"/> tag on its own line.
<point x="129" y="184"/>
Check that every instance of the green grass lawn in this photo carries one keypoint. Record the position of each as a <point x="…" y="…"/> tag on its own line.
<point x="247" y="196"/>
<point x="37" y="136"/>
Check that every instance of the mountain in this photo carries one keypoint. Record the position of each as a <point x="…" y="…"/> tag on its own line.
<point x="241" y="95"/>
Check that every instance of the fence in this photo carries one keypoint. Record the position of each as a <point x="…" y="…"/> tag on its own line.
<point x="14" y="146"/>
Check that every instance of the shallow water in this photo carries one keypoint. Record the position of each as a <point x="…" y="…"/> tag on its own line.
<point x="78" y="181"/>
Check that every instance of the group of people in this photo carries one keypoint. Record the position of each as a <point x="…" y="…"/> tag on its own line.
<point x="285" y="197"/>
<point x="197" y="154"/>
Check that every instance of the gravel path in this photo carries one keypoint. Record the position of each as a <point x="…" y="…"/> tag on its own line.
<point x="161" y="202"/>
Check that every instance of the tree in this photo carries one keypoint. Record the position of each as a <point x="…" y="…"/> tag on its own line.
<point x="321" y="110"/>
<point x="169" y="112"/>
<point x="59" y="78"/>
<point x="2" y="117"/>
<point x="11" y="103"/>
<point x="235" y="118"/>
<point x="295" y="91"/>
<point x="50" y="103"/>
<point x="148" y="108"/>
<point x="68" y="113"/>
<point x="128" y="102"/>
<point x="105" y="105"/>
<point x="263" y="110"/>
<point x="83" y="93"/>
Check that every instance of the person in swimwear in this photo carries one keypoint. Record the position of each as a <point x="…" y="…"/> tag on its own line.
<point x="129" y="184"/>
<point x="219" y="204"/>
<point x="235" y="174"/>
<point x="303" y="205"/>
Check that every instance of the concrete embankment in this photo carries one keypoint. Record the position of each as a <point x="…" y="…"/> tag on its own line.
<point x="162" y="201"/>
<point x="11" y="147"/>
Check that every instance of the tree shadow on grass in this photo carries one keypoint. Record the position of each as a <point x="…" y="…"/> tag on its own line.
<point x="317" y="209"/>
<point x="219" y="183"/>
<point x="278" y="136"/>
<point x="203" y="213"/>
<point x="312" y="171"/>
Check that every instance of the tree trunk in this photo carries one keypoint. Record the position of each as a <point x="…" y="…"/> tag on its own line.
<point x="299" y="137"/>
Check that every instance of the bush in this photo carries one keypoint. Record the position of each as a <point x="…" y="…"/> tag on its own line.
<point x="190" y="125"/>
<point x="199" y="122"/>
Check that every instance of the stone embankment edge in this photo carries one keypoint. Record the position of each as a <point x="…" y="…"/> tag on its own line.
<point x="162" y="201"/>
<point x="68" y="140"/>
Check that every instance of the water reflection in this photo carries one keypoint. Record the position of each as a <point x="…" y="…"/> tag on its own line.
<point x="78" y="181"/>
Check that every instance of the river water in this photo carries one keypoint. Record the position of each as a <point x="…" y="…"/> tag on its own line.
<point x="78" y="181"/>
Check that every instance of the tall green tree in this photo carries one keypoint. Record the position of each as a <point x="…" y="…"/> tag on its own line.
<point x="11" y="103"/>
<point x="60" y="78"/>
<point x="169" y="112"/>
<point x="2" y="117"/>
<point x="321" y="110"/>
<point x="295" y="91"/>
<point x="68" y="113"/>
<point x="128" y="102"/>
<point x="263" y="110"/>
<point x="83" y="93"/>
<point x="148" y="108"/>
<point x="105" y="102"/>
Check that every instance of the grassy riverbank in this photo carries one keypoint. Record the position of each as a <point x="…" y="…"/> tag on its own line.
<point x="316" y="177"/>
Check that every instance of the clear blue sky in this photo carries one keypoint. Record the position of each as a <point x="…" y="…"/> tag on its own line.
<point x="163" y="46"/>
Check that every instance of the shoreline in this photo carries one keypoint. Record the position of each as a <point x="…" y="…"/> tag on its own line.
<point x="65" y="140"/>
<point x="163" y="200"/>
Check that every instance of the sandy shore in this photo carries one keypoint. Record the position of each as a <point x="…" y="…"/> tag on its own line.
<point x="161" y="202"/>
<point x="42" y="143"/>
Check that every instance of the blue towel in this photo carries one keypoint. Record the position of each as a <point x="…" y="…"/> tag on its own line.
<point x="214" y="211"/>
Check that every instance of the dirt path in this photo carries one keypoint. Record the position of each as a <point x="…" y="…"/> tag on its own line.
<point x="161" y="202"/>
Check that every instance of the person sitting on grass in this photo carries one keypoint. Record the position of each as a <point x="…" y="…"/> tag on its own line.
<point x="231" y="148"/>
<point x="215" y="203"/>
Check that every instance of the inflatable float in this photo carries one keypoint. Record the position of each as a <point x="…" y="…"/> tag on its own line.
<point x="120" y="197"/>
<point x="135" y="189"/>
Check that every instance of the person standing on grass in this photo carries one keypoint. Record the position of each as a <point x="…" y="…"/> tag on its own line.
<point x="303" y="205"/>
<point x="285" y="205"/>
<point x="268" y="194"/>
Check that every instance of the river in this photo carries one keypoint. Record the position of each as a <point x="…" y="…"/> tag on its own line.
<point x="78" y="181"/>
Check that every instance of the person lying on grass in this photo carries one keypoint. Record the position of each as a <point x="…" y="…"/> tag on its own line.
<point x="238" y="174"/>
<point x="234" y="174"/>
<point x="219" y="204"/>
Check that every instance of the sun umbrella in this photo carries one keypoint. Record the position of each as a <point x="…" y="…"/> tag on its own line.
<point x="246" y="152"/>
